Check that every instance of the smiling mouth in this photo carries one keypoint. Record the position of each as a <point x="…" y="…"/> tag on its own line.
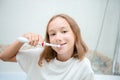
<point x="63" y="44"/>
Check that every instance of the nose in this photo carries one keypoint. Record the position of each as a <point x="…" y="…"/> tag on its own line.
<point x="58" y="37"/>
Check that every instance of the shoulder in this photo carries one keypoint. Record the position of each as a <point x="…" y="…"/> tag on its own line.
<point x="85" y="64"/>
<point x="29" y="53"/>
<point x="84" y="69"/>
<point x="32" y="50"/>
<point x="86" y="61"/>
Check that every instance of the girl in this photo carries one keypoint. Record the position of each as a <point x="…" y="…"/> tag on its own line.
<point x="67" y="62"/>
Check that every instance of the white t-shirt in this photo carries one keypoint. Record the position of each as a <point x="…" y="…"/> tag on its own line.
<point x="71" y="69"/>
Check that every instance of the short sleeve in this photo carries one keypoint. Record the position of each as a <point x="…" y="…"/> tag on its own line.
<point x="26" y="57"/>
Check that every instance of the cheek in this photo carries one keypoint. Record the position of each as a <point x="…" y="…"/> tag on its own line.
<point x="52" y="39"/>
<point x="71" y="39"/>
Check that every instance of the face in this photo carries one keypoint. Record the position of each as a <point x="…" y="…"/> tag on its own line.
<point x="60" y="33"/>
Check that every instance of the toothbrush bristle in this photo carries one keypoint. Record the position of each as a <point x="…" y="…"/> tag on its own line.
<point x="58" y="46"/>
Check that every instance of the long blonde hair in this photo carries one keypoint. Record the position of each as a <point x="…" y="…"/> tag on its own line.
<point x="80" y="47"/>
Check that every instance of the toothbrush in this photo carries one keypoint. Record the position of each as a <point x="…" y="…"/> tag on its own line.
<point x="25" y="40"/>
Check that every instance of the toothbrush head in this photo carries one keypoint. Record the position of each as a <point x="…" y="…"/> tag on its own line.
<point x="52" y="45"/>
<point x="58" y="46"/>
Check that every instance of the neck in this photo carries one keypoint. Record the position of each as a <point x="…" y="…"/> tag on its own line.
<point x="63" y="57"/>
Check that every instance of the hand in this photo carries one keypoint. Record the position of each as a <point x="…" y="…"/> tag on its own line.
<point x="33" y="38"/>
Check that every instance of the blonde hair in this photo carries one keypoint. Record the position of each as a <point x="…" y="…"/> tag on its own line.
<point x="80" y="47"/>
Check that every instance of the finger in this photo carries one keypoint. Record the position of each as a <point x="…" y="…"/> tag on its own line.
<point x="40" y="39"/>
<point x="31" y="39"/>
<point x="36" y="40"/>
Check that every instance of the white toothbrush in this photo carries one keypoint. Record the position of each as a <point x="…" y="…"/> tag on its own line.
<point x="25" y="40"/>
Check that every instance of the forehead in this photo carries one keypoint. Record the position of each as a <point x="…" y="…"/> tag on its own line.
<point x="58" y="22"/>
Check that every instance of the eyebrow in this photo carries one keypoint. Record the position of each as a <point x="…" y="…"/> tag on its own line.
<point x="63" y="27"/>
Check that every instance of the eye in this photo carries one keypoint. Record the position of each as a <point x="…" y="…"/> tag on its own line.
<point x="52" y="34"/>
<point x="64" y="31"/>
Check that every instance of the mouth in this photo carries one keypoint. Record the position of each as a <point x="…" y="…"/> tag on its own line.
<point x="63" y="44"/>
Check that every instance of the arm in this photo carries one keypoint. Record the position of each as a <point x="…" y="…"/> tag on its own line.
<point x="11" y="51"/>
<point x="9" y="54"/>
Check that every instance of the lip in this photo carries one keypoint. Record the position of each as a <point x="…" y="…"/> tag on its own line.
<point x="63" y="44"/>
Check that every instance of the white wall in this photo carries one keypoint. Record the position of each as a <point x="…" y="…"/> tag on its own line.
<point x="20" y="16"/>
<point x="110" y="28"/>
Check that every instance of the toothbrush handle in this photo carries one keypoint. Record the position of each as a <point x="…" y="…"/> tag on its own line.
<point x="23" y="40"/>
